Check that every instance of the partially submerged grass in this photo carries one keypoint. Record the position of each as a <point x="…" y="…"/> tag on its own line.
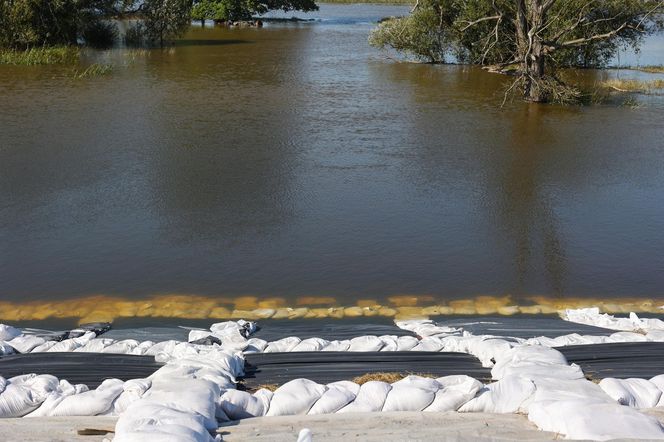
<point x="632" y="86"/>
<point x="94" y="70"/>
<point x="388" y="377"/>
<point x="40" y="56"/>
<point x="651" y="69"/>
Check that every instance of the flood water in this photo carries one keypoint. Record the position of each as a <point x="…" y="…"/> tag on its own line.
<point x="296" y="160"/>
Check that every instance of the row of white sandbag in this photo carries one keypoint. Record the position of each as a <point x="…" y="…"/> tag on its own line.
<point x="449" y="393"/>
<point x="12" y="340"/>
<point x="44" y="395"/>
<point x="592" y="316"/>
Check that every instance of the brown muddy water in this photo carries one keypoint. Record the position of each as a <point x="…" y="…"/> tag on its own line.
<point x="295" y="160"/>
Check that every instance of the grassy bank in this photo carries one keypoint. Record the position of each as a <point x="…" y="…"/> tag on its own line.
<point x="40" y="56"/>
<point x="651" y="69"/>
<point x="635" y="86"/>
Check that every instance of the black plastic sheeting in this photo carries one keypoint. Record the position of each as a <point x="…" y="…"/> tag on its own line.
<point x="329" y="329"/>
<point x="324" y="367"/>
<point x="520" y="326"/>
<point x="80" y="368"/>
<point x="622" y="360"/>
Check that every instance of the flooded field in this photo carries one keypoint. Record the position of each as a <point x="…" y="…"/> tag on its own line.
<point x="294" y="165"/>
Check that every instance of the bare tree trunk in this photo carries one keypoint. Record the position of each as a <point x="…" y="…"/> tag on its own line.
<point x="530" y="19"/>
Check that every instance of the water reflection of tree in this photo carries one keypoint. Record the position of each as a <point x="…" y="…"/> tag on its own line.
<point x="491" y="165"/>
<point x="526" y="208"/>
<point x="227" y="153"/>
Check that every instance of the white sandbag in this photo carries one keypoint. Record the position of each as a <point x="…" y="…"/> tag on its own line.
<point x="407" y="398"/>
<point x="525" y="355"/>
<point x="488" y="349"/>
<point x="161" y="347"/>
<point x="371" y="397"/>
<point x="7" y="332"/>
<point x="295" y="397"/>
<point x="504" y="396"/>
<point x="337" y="346"/>
<point x="633" y="392"/>
<point x="24" y="394"/>
<point x="594" y="420"/>
<point x="389" y="343"/>
<point x="90" y="403"/>
<point x="46" y="346"/>
<point x="365" y="343"/>
<point x="3" y="384"/>
<point x="425" y="327"/>
<point x="655" y="336"/>
<point x="96" y="345"/>
<point x="549" y="389"/>
<point x="55" y="397"/>
<point x="132" y="391"/>
<point x="146" y="422"/>
<point x="429" y="344"/>
<point x="658" y="381"/>
<point x="26" y="343"/>
<point x="406" y="343"/>
<point x="121" y="347"/>
<point x="338" y="395"/>
<point x="255" y="345"/>
<point x="536" y="370"/>
<point x="196" y="334"/>
<point x="238" y="404"/>
<point x="142" y="348"/>
<point x="191" y="396"/>
<point x="247" y="327"/>
<point x="282" y="345"/>
<point x="73" y="343"/>
<point x="627" y="336"/>
<point x="455" y="391"/>
<point x="310" y="344"/>
<point x="424" y="383"/>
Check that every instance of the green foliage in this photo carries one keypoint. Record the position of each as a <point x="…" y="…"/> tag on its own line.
<point x="244" y="9"/>
<point x="28" y="23"/>
<point x="419" y="34"/>
<point x="100" y="34"/>
<point x="165" y="20"/>
<point x="134" y="35"/>
<point x="37" y="56"/>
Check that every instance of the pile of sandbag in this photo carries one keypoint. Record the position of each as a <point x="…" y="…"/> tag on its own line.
<point x="592" y="316"/>
<point x="182" y="402"/>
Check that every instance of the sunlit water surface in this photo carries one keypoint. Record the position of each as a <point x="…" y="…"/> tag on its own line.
<point x="296" y="160"/>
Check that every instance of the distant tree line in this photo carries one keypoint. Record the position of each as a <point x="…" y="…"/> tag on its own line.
<point x="34" y="23"/>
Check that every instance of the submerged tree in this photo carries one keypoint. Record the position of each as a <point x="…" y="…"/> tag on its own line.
<point x="530" y="37"/>
<point x="29" y="23"/>
<point x="244" y="9"/>
<point x="165" y="20"/>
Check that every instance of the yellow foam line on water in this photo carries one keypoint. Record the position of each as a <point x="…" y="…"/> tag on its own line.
<point x="108" y="308"/>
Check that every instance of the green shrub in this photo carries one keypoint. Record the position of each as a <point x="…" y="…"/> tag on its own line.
<point x="100" y="34"/>
<point x="135" y="35"/>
